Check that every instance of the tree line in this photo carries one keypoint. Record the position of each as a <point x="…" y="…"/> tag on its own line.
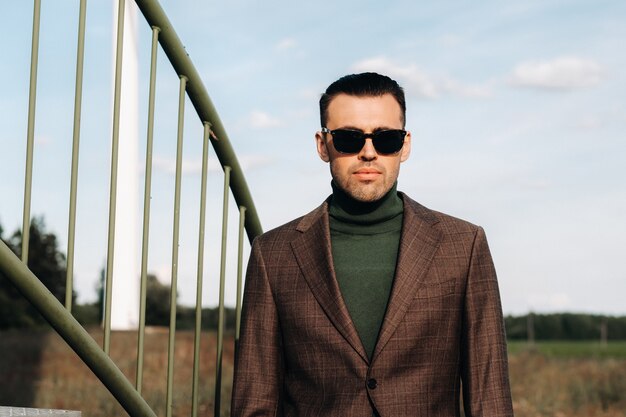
<point x="48" y="263"/>
<point x="565" y="326"/>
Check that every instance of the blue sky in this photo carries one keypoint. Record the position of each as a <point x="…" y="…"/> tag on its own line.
<point x="517" y="112"/>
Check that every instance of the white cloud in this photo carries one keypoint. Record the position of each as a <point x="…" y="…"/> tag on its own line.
<point x="417" y="81"/>
<point x="565" y="73"/>
<point x="589" y="122"/>
<point x="537" y="184"/>
<point x="287" y="43"/>
<point x="475" y="172"/>
<point x="450" y="40"/>
<point x="311" y="93"/>
<point x="190" y="166"/>
<point x="457" y="88"/>
<point x="43" y="140"/>
<point x="194" y="166"/>
<point x="549" y="302"/>
<point x="600" y="120"/>
<point x="250" y="161"/>
<point x="163" y="273"/>
<point x="262" y="120"/>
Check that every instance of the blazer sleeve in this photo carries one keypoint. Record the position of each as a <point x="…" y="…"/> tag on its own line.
<point x="258" y="373"/>
<point x="484" y="368"/>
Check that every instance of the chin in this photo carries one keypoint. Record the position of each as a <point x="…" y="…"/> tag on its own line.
<point x="367" y="195"/>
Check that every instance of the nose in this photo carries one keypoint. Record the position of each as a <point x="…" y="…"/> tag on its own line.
<point x="368" y="153"/>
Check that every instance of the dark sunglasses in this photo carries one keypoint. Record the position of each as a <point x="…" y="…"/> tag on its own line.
<point x="386" y="142"/>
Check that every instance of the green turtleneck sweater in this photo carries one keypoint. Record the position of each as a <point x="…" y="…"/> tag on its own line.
<point x="365" y="238"/>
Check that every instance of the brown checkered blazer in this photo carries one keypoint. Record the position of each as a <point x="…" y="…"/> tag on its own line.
<point x="299" y="353"/>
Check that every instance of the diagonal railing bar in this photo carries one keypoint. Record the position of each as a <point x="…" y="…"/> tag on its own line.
<point x="113" y="185"/>
<point x="30" y="134"/>
<point x="175" y="51"/>
<point x="73" y="333"/>
<point x="71" y="230"/>
<point x="146" y="210"/>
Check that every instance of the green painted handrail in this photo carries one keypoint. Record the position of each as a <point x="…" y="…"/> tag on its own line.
<point x="94" y="356"/>
<point x="73" y="333"/>
<point x="175" y="51"/>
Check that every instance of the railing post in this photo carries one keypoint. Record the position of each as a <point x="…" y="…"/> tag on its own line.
<point x="220" y="315"/>
<point x="30" y="135"/>
<point x="146" y="210"/>
<point x="174" y="284"/>
<point x="114" y="161"/>
<point x="200" y="276"/>
<point x="71" y="229"/>
<point x="242" y="223"/>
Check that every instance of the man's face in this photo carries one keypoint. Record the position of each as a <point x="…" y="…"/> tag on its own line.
<point x="366" y="175"/>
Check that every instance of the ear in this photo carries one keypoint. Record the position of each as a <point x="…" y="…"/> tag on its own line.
<point x="322" y="147"/>
<point x="406" y="148"/>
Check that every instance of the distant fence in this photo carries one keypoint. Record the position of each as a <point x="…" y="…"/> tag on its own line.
<point x="59" y="316"/>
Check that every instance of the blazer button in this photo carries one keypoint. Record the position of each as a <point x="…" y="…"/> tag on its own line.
<point x="372" y="383"/>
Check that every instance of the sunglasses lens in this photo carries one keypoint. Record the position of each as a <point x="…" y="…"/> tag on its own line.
<point x="348" y="141"/>
<point x="389" y="141"/>
<point x="351" y="141"/>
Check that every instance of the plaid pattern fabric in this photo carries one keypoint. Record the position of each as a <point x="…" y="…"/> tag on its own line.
<point x="300" y="355"/>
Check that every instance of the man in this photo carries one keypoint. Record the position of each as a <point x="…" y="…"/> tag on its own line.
<point x="371" y="304"/>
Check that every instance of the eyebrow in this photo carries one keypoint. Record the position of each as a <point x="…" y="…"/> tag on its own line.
<point x="378" y="129"/>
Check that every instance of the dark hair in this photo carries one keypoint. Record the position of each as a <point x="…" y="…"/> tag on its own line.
<point x="364" y="84"/>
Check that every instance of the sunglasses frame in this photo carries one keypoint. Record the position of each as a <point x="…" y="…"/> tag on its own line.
<point x="375" y="136"/>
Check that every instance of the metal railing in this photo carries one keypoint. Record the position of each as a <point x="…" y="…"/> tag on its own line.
<point x="59" y="316"/>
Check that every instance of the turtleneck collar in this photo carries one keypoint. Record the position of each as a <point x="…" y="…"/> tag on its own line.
<point x="346" y="210"/>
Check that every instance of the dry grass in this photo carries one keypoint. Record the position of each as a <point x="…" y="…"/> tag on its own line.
<point x="567" y="387"/>
<point x="37" y="369"/>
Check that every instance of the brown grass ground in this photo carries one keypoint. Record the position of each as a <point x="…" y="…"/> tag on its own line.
<point x="567" y="387"/>
<point x="37" y="369"/>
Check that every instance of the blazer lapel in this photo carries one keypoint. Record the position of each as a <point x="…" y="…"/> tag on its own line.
<point x="314" y="256"/>
<point x="418" y="244"/>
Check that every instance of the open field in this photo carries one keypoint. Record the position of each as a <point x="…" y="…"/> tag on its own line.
<point x="37" y="369"/>
<point x="568" y="379"/>
<point x="572" y="349"/>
